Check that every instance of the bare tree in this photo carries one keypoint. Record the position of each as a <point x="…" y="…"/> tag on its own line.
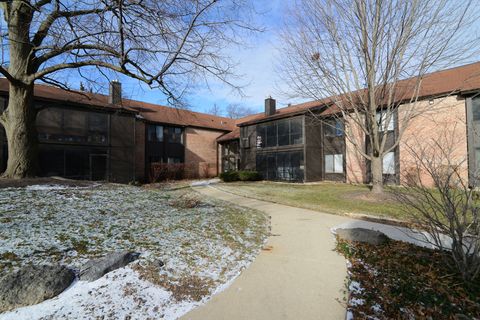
<point x="439" y="199"/>
<point x="170" y="45"/>
<point x="237" y="111"/>
<point x="358" y="51"/>
<point x="216" y="110"/>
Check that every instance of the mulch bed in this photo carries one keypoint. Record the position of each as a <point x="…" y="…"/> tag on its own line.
<point x="399" y="280"/>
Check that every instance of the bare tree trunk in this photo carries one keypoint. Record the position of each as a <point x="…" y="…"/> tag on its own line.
<point x="377" y="174"/>
<point x="21" y="133"/>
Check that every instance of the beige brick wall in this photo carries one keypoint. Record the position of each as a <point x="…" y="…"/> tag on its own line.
<point x="355" y="162"/>
<point x="440" y="126"/>
<point x="201" y="151"/>
<point x="140" y="150"/>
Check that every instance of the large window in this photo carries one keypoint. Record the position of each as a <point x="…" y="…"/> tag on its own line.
<point x="155" y="133"/>
<point x="333" y="128"/>
<point x="287" y="166"/>
<point x="175" y="135"/>
<point x="72" y="126"/>
<point x="334" y="163"/>
<point x="280" y="133"/>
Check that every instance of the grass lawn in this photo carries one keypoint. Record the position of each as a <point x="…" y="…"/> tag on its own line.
<point x="326" y="197"/>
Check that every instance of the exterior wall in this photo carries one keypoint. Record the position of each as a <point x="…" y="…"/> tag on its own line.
<point x="248" y="140"/>
<point x="201" y="151"/>
<point x="122" y="152"/>
<point x="356" y="167"/>
<point x="441" y="127"/>
<point x="140" y="151"/>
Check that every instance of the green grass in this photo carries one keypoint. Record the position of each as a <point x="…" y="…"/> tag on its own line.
<point x="336" y="198"/>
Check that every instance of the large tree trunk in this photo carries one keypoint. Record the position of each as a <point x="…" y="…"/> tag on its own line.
<point x="19" y="117"/>
<point x="21" y="133"/>
<point x="376" y="168"/>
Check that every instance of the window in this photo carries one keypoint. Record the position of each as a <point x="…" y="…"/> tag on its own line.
<point x="175" y="135"/>
<point x="389" y="163"/>
<point x="72" y="126"/>
<point x="283" y="128"/>
<point x="476" y="109"/>
<point x="382" y="120"/>
<point x="296" y="131"/>
<point x="155" y="133"/>
<point x="333" y="128"/>
<point x="280" y="133"/>
<point x="334" y="163"/>
<point x="271" y="131"/>
<point x="286" y="166"/>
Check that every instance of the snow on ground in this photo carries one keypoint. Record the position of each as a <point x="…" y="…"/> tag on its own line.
<point x="204" y="244"/>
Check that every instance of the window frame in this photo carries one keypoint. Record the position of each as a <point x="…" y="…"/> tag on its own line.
<point x="334" y="163"/>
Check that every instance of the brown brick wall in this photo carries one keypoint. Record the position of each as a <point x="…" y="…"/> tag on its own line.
<point x="440" y="127"/>
<point x="140" y="150"/>
<point x="201" y="151"/>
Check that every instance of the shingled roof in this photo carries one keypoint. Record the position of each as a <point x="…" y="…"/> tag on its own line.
<point x="437" y="84"/>
<point x="150" y="112"/>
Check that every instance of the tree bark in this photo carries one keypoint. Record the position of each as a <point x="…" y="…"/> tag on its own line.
<point x="21" y="133"/>
<point x="376" y="168"/>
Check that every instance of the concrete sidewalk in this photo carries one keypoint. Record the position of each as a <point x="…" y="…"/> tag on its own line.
<point x="297" y="276"/>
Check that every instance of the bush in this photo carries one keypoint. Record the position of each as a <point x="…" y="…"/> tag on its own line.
<point x="167" y="171"/>
<point x="249" y="176"/>
<point x="229" y="176"/>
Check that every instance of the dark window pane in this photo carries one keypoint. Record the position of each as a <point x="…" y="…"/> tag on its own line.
<point x="151" y="133"/>
<point x="174" y="135"/>
<point x="97" y="127"/>
<point x="271" y="167"/>
<point x="283" y="133"/>
<point x="159" y="133"/>
<point x="51" y="161"/>
<point x="271" y="135"/>
<point x="296" y="131"/>
<point x="262" y="165"/>
<point x="77" y="164"/>
<point x="98" y="164"/>
<point x="476" y="109"/>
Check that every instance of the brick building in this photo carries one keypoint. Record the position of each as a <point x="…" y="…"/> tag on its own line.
<point x="292" y="144"/>
<point x="104" y="137"/>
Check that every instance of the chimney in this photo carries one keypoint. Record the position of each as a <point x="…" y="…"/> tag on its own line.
<point x="270" y="106"/>
<point x="115" y="96"/>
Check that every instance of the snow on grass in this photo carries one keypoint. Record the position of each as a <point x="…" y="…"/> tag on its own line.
<point x="202" y="245"/>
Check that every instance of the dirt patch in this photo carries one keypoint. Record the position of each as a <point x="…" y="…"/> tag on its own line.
<point x="21" y="183"/>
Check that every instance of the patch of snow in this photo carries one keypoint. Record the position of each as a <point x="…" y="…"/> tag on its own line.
<point x="46" y="187"/>
<point x="205" y="182"/>
<point x="68" y="225"/>
<point x="355" y="287"/>
<point x="356" y="302"/>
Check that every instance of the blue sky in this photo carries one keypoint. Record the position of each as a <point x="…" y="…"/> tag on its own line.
<point x="256" y="64"/>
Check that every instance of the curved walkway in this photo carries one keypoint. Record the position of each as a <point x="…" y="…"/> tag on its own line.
<point x="298" y="275"/>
